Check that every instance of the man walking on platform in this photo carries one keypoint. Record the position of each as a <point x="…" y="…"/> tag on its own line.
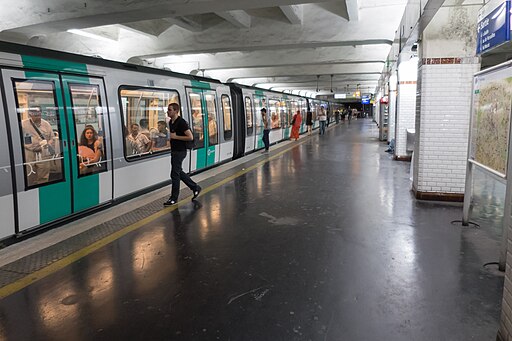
<point x="180" y="133"/>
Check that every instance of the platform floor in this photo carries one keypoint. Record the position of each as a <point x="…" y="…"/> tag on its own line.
<point x="319" y="240"/>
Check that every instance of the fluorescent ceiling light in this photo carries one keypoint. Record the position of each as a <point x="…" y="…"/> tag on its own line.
<point x="91" y="35"/>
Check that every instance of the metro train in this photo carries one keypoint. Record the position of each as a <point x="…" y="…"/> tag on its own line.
<point x="79" y="133"/>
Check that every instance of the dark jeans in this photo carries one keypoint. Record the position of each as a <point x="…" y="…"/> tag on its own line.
<point x="322" y="127"/>
<point x="178" y="174"/>
<point x="266" y="139"/>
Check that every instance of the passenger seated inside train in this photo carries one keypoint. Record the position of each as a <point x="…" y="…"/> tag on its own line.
<point x="212" y="130"/>
<point x="274" y="120"/>
<point x="161" y="138"/>
<point x="90" y="151"/>
<point x="139" y="143"/>
<point x="144" y="128"/>
<point x="197" y="121"/>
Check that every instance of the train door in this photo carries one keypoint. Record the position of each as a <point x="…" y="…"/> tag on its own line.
<point x="203" y="112"/>
<point x="260" y="102"/>
<point x="41" y="152"/>
<point x="303" y="112"/>
<point x="249" y="125"/>
<point x="6" y="196"/>
<point x="89" y="136"/>
<point x="275" y="114"/>
<point x="225" y="150"/>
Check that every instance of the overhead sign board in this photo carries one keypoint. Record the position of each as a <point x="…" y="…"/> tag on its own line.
<point x="493" y="27"/>
<point x="365" y="100"/>
<point x="340" y="96"/>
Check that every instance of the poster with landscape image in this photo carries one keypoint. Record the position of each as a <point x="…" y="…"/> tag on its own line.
<point x="491" y="120"/>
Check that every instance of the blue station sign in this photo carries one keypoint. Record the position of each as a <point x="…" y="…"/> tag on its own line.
<point x="493" y="27"/>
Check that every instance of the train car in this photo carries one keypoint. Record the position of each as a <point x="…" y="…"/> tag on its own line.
<point x="79" y="133"/>
<point x="280" y="109"/>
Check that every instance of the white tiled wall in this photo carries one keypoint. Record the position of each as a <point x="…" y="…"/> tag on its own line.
<point x="406" y="102"/>
<point x="405" y="117"/>
<point x="442" y="126"/>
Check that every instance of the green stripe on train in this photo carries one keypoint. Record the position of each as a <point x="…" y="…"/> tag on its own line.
<point x="210" y="157"/>
<point x="200" y="85"/>
<point x="53" y="65"/>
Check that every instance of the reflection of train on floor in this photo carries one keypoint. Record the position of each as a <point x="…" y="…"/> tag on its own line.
<point x="78" y="133"/>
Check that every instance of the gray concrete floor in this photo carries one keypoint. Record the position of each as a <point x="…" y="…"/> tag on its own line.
<point x="325" y="242"/>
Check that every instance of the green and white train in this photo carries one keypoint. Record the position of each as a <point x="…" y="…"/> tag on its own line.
<point x="49" y="99"/>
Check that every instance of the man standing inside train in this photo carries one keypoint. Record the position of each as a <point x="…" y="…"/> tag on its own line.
<point x="180" y="133"/>
<point x="39" y="148"/>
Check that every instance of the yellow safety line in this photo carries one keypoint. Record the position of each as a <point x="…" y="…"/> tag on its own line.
<point x="16" y="286"/>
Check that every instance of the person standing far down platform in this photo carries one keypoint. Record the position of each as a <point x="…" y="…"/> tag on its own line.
<point x="322" y="118"/>
<point x="309" y="121"/>
<point x="266" y="130"/>
<point x="180" y="133"/>
<point x="296" y="122"/>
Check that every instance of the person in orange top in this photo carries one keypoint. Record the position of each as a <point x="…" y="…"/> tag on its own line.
<point x="296" y="122"/>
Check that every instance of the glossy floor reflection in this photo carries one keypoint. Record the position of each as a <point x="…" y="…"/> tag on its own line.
<point x="322" y="243"/>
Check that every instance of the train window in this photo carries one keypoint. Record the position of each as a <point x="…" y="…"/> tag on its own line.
<point x="248" y="114"/>
<point x="260" y="103"/>
<point x="294" y="107"/>
<point x="145" y="119"/>
<point x="213" y="135"/>
<point x="89" y="128"/>
<point x="197" y="119"/>
<point x="226" y="109"/>
<point x="303" y="109"/>
<point x="275" y="117"/>
<point x="39" y="119"/>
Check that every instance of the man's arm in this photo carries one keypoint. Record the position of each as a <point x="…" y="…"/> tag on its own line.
<point x="188" y="136"/>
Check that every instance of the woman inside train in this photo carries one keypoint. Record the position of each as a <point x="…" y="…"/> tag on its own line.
<point x="90" y="150"/>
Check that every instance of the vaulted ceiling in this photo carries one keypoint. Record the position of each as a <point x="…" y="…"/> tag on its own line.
<point x="280" y="44"/>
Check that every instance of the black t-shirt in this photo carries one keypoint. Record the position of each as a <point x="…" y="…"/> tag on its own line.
<point x="180" y="126"/>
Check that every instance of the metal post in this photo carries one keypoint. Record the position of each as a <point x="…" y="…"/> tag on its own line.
<point x="467" y="193"/>
<point x="469" y="166"/>
<point x="507" y="209"/>
<point x="506" y="219"/>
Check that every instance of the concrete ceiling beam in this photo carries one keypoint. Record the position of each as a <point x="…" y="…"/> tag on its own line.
<point x="74" y="14"/>
<point x="253" y="48"/>
<point x="341" y="87"/>
<point x="324" y="71"/>
<point x="333" y="63"/>
<point x="352" y="9"/>
<point x="238" y="18"/>
<point x="150" y="28"/>
<point x="186" y="23"/>
<point x="294" y="13"/>
<point x="265" y="77"/>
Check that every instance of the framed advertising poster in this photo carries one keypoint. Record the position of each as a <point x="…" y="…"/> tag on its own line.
<point x="492" y="100"/>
